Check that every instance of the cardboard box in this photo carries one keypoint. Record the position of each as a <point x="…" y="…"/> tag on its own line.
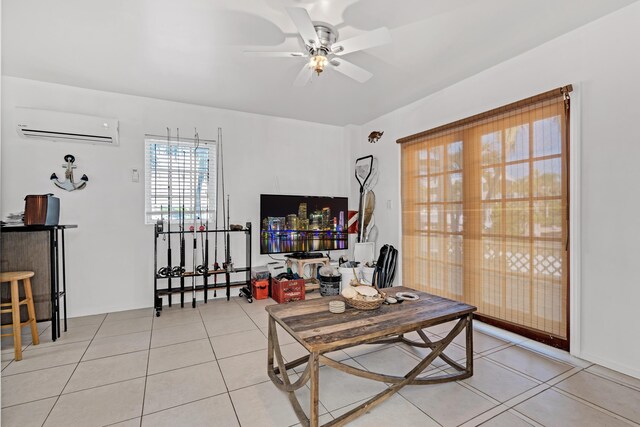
<point x="284" y="291"/>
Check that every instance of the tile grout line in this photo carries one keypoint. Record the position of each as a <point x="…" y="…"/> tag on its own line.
<point x="74" y="371"/>
<point x="40" y="369"/>
<point x="118" y="422"/>
<point x="608" y="378"/>
<point x="176" y="343"/>
<point x="593" y="405"/>
<point x="25" y="403"/>
<point x="563" y="376"/>
<point x="52" y="344"/>
<point x="410" y="403"/>
<point x="507" y="406"/>
<point x="200" y="399"/>
<point x="480" y="393"/>
<point x="120" y="335"/>
<point x="114" y="355"/>
<point x="516" y="371"/>
<point x="115" y="382"/>
<point x="103" y="385"/>
<point x="629" y="386"/>
<point x="220" y="370"/>
<point x="28" y="345"/>
<point x="308" y="385"/>
<point x="523" y="417"/>
<point x="572" y="397"/>
<point x="521" y="398"/>
<point x="144" y="389"/>
<point x="548" y="356"/>
<point x="31" y="345"/>
<point x="91" y="340"/>
<point x="493" y="350"/>
<point x="104" y="357"/>
<point x="513" y="370"/>
<point x="496" y="402"/>
<point x="481" y="418"/>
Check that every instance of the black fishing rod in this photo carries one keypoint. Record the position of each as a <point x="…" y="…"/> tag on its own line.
<point x="183" y="261"/>
<point x="166" y="270"/>
<point x="216" y="266"/>
<point x="204" y="237"/>
<point x="229" y="263"/>
<point x="224" y="224"/>
<point x="225" y="214"/>
<point x="194" y="194"/>
<point x="162" y="271"/>
<point x="178" y="271"/>
<point x="205" y="254"/>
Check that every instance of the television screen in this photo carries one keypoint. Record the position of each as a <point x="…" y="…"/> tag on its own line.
<point x="302" y="223"/>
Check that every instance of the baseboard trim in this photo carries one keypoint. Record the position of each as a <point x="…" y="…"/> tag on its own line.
<point x="623" y="369"/>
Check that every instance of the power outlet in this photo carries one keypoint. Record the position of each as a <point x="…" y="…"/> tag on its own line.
<point x="135" y="175"/>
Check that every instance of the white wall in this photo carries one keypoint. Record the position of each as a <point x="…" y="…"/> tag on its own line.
<point x="110" y="262"/>
<point x="602" y="58"/>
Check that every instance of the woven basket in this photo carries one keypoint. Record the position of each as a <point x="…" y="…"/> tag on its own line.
<point x="366" y="305"/>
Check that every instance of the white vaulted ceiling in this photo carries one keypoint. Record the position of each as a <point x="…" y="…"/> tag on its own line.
<point x="191" y="50"/>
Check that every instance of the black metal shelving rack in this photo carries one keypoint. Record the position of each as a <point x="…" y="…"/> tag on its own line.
<point x="205" y="286"/>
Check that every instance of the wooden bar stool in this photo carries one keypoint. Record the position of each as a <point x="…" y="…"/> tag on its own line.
<point x="14" y="308"/>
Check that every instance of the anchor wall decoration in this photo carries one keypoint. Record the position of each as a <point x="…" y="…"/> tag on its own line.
<point x="68" y="184"/>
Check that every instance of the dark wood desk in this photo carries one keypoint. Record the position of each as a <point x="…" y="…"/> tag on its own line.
<point x="321" y="331"/>
<point x="41" y="251"/>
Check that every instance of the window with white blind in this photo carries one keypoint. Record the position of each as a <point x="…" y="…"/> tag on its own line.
<point x="179" y="180"/>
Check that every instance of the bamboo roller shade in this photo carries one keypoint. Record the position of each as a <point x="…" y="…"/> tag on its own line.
<point x="485" y="212"/>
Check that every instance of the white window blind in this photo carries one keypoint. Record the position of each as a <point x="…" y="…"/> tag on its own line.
<point x="179" y="179"/>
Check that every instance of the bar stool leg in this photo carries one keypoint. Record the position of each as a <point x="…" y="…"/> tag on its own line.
<point x="32" y="312"/>
<point x="15" y="313"/>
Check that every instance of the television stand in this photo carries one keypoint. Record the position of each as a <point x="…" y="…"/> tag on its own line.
<point x="311" y="283"/>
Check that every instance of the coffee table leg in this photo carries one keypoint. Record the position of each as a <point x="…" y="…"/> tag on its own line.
<point x="270" y="344"/>
<point x="274" y="355"/>
<point x="469" y="343"/>
<point x="314" y="360"/>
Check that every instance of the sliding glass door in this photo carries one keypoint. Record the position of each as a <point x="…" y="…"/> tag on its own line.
<point x="485" y="216"/>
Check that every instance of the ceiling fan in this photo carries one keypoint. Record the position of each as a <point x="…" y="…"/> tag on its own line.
<point x="323" y="48"/>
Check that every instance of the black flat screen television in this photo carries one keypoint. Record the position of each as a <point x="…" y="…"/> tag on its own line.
<point x="302" y="223"/>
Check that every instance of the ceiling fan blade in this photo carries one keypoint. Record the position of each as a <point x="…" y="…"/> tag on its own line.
<point x="303" y="76"/>
<point x="351" y="70"/>
<point x="301" y="19"/>
<point x="363" y="41"/>
<point x="268" y="54"/>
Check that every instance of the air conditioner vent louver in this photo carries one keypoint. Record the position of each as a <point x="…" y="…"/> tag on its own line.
<point x="69" y="127"/>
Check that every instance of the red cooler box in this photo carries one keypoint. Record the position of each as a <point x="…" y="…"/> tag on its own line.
<point x="287" y="290"/>
<point x="260" y="289"/>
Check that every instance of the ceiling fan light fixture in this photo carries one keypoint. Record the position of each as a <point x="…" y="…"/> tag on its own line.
<point x="317" y="63"/>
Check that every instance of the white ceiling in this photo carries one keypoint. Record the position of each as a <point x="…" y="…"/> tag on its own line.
<point x="191" y="50"/>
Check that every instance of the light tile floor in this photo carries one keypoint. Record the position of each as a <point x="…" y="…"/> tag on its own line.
<point x="207" y="367"/>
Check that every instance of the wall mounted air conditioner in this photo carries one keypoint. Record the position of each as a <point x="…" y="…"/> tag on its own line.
<point x="58" y="126"/>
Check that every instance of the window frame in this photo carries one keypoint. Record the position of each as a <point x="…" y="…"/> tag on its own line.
<point x="182" y="176"/>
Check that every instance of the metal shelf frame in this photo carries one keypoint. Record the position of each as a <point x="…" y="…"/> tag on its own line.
<point x="227" y="284"/>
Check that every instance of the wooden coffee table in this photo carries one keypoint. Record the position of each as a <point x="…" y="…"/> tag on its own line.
<point x="321" y="331"/>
